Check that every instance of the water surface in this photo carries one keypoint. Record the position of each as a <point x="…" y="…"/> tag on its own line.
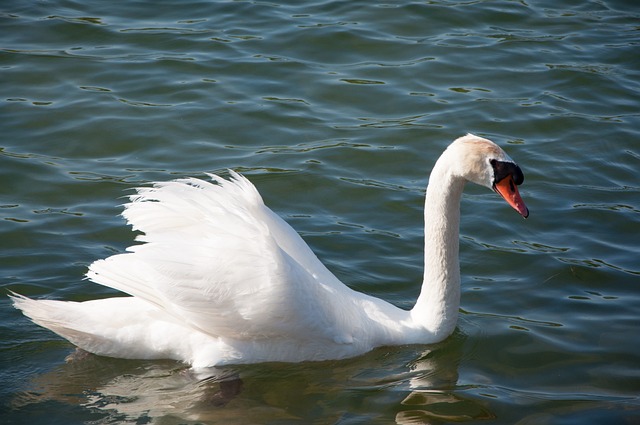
<point x="337" y="112"/>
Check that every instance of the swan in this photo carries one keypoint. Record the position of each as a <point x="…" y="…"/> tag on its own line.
<point x="221" y="279"/>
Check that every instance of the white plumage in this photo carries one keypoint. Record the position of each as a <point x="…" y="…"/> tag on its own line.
<point x="219" y="278"/>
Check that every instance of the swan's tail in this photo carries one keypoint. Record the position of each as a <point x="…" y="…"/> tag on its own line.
<point x="65" y="318"/>
<point x="124" y="327"/>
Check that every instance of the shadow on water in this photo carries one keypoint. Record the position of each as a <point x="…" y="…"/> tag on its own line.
<point x="413" y="384"/>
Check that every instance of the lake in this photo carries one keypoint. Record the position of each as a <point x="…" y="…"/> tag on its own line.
<point x="336" y="111"/>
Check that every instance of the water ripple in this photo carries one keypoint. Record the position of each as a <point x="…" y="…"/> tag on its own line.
<point x="336" y="111"/>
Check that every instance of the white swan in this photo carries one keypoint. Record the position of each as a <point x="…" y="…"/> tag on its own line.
<point x="221" y="279"/>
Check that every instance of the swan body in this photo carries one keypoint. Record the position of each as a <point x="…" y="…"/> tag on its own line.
<point x="221" y="279"/>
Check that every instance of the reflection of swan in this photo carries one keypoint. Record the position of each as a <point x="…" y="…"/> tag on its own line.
<point x="387" y="384"/>
<point x="222" y="279"/>
<point x="433" y="395"/>
<point x="126" y="391"/>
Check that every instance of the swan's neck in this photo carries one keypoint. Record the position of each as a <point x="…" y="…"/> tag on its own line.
<point x="437" y="307"/>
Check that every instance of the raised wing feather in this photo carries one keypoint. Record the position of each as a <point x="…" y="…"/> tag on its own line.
<point x="217" y="258"/>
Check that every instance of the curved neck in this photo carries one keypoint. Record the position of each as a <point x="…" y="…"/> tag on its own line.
<point x="437" y="307"/>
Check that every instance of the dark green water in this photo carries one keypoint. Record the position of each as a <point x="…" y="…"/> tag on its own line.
<point x="337" y="112"/>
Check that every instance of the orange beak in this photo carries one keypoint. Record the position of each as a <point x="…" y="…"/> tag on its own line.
<point x="509" y="191"/>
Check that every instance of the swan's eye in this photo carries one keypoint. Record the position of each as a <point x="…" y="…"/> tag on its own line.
<point x="502" y="169"/>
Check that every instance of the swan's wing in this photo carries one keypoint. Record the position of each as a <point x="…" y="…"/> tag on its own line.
<point x="217" y="258"/>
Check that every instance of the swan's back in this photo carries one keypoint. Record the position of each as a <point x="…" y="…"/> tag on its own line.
<point x="225" y="278"/>
<point x="216" y="256"/>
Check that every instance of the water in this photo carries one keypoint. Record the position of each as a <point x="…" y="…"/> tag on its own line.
<point x="337" y="112"/>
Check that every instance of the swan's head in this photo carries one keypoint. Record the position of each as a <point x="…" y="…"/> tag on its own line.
<point x="483" y="162"/>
